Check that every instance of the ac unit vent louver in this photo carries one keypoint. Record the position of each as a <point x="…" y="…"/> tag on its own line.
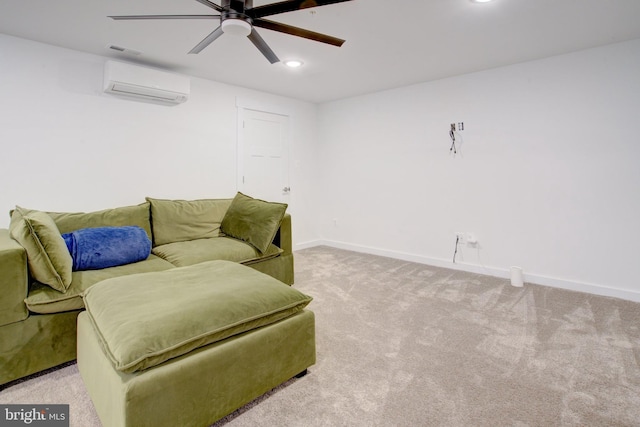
<point x="146" y="83"/>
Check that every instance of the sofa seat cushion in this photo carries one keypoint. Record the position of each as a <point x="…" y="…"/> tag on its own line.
<point x="182" y="254"/>
<point x="143" y="320"/>
<point x="44" y="300"/>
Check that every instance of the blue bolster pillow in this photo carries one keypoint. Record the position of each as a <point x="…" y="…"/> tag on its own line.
<point x="102" y="247"/>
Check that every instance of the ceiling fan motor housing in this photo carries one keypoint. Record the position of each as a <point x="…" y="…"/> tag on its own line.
<point x="236" y="7"/>
<point x="234" y="10"/>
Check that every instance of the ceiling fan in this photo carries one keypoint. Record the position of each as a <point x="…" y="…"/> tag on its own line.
<point x="240" y="17"/>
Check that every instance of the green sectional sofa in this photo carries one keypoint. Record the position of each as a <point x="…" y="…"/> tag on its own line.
<point x="38" y="320"/>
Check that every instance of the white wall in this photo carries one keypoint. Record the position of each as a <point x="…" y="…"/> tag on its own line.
<point x="66" y="146"/>
<point x="547" y="174"/>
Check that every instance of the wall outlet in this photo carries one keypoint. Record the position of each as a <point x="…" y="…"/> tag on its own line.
<point x="466" y="238"/>
<point x="471" y="239"/>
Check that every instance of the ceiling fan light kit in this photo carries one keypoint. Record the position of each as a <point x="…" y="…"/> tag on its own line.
<point x="239" y="17"/>
<point x="236" y="27"/>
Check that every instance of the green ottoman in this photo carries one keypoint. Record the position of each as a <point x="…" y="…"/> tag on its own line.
<point x="187" y="346"/>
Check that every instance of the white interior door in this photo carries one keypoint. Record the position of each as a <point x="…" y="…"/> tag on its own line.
<point x="263" y="154"/>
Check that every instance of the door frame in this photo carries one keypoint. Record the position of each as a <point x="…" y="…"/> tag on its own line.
<point x="243" y="104"/>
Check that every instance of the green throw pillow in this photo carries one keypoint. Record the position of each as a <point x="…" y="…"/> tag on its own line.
<point x="253" y="221"/>
<point x="47" y="254"/>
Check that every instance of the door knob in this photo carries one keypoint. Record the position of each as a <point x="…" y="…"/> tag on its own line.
<point x="286" y="189"/>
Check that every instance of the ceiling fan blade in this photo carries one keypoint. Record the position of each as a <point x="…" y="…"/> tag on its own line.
<point x="287" y="6"/>
<point x="211" y="5"/>
<point x="300" y="32"/>
<point x="262" y="46"/>
<point x="125" y="17"/>
<point x="207" y="40"/>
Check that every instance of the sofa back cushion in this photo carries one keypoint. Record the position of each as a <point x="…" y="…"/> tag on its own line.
<point x="116" y="217"/>
<point x="182" y="220"/>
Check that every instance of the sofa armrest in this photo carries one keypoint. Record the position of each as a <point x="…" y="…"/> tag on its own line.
<point x="14" y="280"/>
<point x="283" y="236"/>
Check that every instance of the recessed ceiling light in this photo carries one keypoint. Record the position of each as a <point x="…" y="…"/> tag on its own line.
<point x="480" y="1"/>
<point x="293" y="63"/>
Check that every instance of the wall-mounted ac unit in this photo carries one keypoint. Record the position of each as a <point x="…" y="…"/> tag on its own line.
<point x="140" y="82"/>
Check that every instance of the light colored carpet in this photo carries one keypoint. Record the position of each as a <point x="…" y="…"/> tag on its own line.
<point x="405" y="344"/>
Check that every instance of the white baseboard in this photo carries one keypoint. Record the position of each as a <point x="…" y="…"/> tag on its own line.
<point x="480" y="269"/>
<point x="311" y="244"/>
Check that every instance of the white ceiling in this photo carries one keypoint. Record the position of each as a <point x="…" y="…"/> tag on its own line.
<point x="390" y="43"/>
